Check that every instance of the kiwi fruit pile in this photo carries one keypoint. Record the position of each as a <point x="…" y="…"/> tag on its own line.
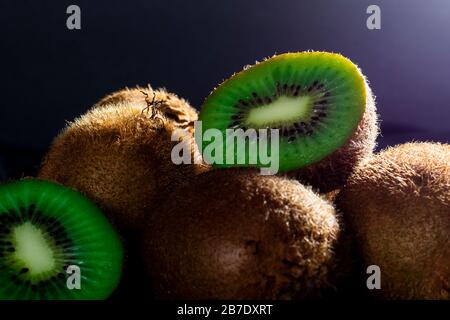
<point x="209" y="230"/>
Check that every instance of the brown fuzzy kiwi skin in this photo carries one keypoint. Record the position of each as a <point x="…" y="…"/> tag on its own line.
<point x="333" y="171"/>
<point x="118" y="155"/>
<point x="135" y="95"/>
<point x="398" y="206"/>
<point x="172" y="106"/>
<point x="234" y="234"/>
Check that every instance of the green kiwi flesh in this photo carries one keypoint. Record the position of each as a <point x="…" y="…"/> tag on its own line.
<point x="235" y="234"/>
<point x="397" y="206"/>
<point x="332" y="172"/>
<point x="315" y="99"/>
<point x="44" y="229"/>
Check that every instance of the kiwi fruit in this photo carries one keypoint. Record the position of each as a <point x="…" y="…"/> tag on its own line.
<point x="321" y="104"/>
<point x="119" y="153"/>
<point x="397" y="205"/>
<point x="45" y="229"/>
<point x="235" y="234"/>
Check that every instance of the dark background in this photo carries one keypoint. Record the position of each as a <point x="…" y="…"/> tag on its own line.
<point x="51" y="74"/>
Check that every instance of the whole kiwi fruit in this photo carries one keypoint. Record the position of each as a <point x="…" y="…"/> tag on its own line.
<point x="234" y="234"/>
<point x="320" y="103"/>
<point x="119" y="152"/>
<point x="397" y="205"/>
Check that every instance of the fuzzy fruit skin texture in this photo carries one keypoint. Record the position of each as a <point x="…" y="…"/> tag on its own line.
<point x="174" y="107"/>
<point x="120" y="157"/>
<point x="234" y="234"/>
<point x="398" y="206"/>
<point x="332" y="172"/>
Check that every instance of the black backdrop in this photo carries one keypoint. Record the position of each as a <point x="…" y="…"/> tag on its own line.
<point x="50" y="74"/>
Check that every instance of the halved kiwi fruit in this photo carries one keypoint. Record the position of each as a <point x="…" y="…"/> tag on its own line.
<point x="234" y="234"/>
<point x="316" y="100"/>
<point x="397" y="206"/>
<point x="46" y="228"/>
<point x="119" y="154"/>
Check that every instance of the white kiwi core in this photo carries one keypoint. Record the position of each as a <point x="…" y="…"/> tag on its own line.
<point x="283" y="110"/>
<point x="32" y="249"/>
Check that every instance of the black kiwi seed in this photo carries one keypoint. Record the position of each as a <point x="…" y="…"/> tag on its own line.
<point x="279" y="90"/>
<point x="267" y="100"/>
<point x="314" y="118"/>
<point x="24" y="270"/>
